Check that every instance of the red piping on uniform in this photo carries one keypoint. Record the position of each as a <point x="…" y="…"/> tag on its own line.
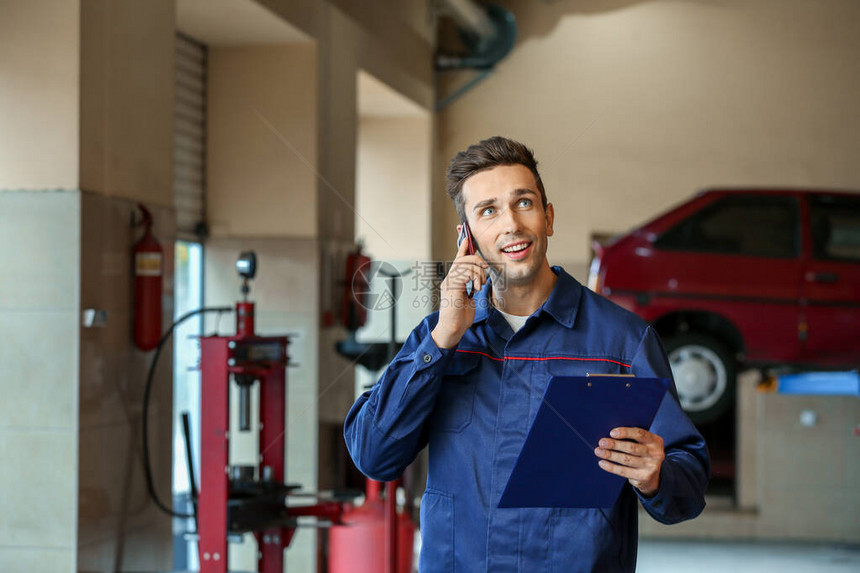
<point x="482" y="354"/>
<point x="545" y="358"/>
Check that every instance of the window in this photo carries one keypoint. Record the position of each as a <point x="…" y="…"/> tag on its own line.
<point x="836" y="228"/>
<point x="188" y="296"/>
<point x="758" y="225"/>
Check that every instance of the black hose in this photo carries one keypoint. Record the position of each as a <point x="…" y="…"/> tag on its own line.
<point x="189" y="460"/>
<point x="147" y="468"/>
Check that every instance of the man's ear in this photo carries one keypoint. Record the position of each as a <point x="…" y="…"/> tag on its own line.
<point x="550" y="217"/>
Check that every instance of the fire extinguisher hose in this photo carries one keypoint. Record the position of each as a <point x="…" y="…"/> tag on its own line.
<point x="147" y="468"/>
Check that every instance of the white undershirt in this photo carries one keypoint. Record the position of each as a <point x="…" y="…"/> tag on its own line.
<point x="515" y="321"/>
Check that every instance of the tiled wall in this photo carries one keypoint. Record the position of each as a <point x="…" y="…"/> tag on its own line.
<point x="74" y="496"/>
<point x="287" y="297"/>
<point x="795" y="481"/>
<point x="39" y="238"/>
<point x="808" y="475"/>
<point x="119" y="527"/>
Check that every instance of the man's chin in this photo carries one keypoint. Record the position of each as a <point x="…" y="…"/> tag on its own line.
<point x="519" y="277"/>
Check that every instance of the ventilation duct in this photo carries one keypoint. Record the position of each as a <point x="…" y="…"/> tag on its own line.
<point x="487" y="31"/>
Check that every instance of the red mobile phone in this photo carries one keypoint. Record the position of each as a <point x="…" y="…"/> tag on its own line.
<point x="466" y="235"/>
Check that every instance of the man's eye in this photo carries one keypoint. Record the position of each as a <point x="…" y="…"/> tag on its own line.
<point x="525" y="202"/>
<point x="488" y="211"/>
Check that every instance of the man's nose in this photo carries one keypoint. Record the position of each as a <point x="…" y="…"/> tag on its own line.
<point x="511" y="221"/>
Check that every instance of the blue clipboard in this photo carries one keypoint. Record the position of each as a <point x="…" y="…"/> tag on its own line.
<point x="557" y="466"/>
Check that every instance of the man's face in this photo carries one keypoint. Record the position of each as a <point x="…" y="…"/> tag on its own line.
<point x="508" y="221"/>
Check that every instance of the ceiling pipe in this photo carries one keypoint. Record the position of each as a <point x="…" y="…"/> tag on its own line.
<point x="487" y="31"/>
<point x="470" y="16"/>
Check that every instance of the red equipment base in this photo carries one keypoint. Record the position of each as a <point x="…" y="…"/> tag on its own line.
<point x="235" y="504"/>
<point x="368" y="541"/>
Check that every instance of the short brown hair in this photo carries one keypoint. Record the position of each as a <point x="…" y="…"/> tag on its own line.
<point x="484" y="155"/>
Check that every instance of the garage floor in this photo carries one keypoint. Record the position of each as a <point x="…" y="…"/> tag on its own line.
<point x="745" y="557"/>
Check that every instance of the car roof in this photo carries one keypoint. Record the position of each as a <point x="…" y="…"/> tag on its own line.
<point x="778" y="191"/>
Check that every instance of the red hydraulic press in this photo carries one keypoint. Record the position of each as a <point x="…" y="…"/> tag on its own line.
<point x="239" y="499"/>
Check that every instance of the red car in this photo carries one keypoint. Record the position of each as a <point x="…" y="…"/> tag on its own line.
<point x="742" y="278"/>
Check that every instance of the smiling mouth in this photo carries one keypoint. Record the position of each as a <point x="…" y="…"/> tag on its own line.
<point x="516" y="247"/>
<point x="517" y="250"/>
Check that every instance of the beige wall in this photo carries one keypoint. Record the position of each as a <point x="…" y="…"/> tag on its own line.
<point x="126" y="156"/>
<point x="393" y="187"/>
<point x="262" y="142"/>
<point x="126" y="112"/>
<point x="119" y="528"/>
<point x="633" y="106"/>
<point x="407" y="24"/>
<point x="92" y="95"/>
<point x="338" y="120"/>
<point x="39" y="83"/>
<point x="392" y="40"/>
<point x="394" y="43"/>
<point x="390" y="52"/>
<point x="39" y="317"/>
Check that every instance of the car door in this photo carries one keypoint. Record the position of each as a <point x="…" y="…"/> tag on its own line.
<point x="831" y="281"/>
<point x="740" y="257"/>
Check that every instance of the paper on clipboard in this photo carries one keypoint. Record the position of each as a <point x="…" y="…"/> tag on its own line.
<point x="557" y="466"/>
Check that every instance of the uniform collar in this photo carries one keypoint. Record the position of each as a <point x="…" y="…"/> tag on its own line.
<point x="563" y="301"/>
<point x="562" y="304"/>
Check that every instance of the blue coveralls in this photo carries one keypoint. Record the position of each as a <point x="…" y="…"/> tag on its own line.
<point x="474" y="405"/>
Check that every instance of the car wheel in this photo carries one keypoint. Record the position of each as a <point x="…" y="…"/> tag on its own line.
<point x="705" y="375"/>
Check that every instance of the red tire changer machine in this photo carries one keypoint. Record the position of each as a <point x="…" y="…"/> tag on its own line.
<point x="241" y="499"/>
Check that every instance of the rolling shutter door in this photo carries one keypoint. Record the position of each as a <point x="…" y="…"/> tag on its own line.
<point x="189" y="139"/>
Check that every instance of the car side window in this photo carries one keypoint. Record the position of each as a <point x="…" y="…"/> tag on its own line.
<point x="753" y="225"/>
<point x="835" y="228"/>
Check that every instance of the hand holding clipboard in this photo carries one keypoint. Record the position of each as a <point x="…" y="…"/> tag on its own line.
<point x="635" y="454"/>
<point x="557" y="466"/>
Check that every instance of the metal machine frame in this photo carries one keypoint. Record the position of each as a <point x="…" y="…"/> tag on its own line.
<point x="241" y="499"/>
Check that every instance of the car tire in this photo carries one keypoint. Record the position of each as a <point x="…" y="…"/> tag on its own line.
<point x="705" y="374"/>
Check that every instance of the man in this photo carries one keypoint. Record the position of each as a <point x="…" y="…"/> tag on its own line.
<point x="470" y="378"/>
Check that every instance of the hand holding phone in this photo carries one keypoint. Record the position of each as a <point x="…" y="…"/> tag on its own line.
<point x="467" y="273"/>
<point x="466" y="235"/>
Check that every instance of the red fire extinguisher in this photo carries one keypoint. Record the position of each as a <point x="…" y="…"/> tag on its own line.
<point x="148" y="270"/>
<point x="355" y="295"/>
